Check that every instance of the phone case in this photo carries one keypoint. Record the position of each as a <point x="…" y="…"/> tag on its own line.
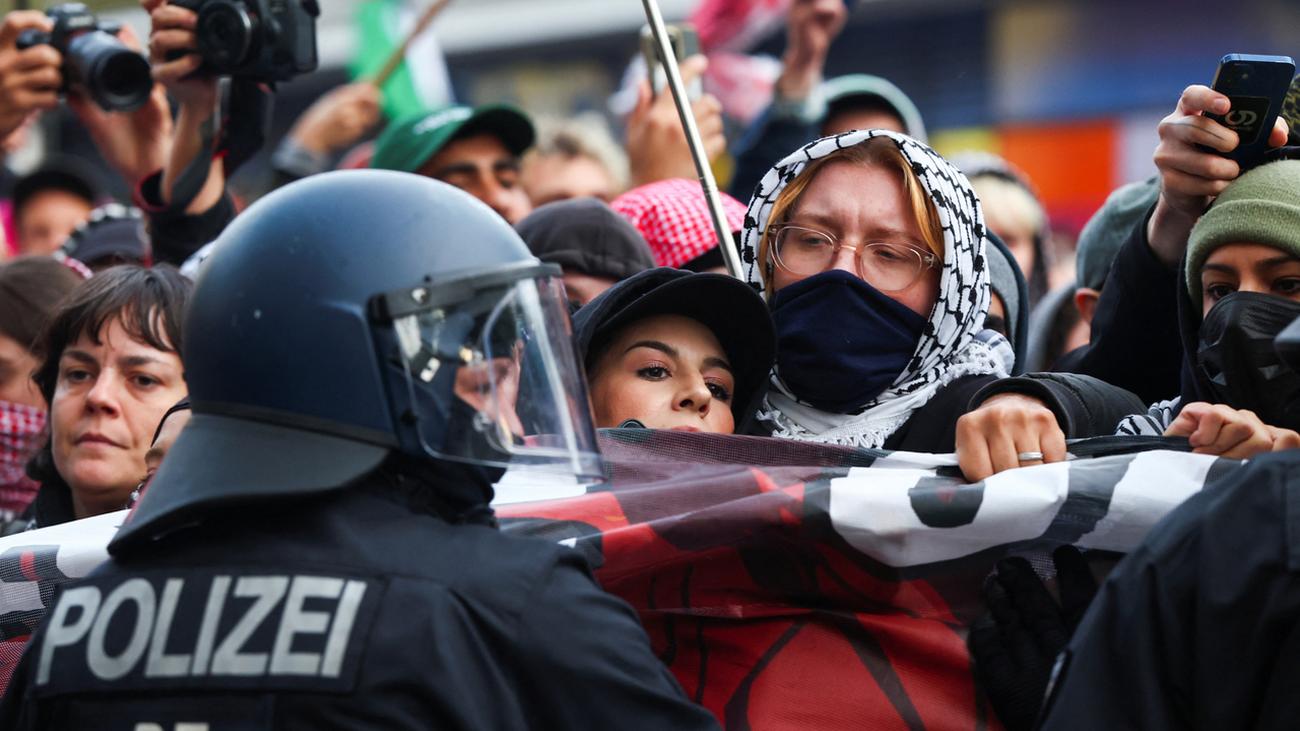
<point x="1256" y="86"/>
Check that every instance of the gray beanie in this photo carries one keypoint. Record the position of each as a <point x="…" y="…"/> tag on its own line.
<point x="1109" y="228"/>
<point x="1260" y="207"/>
<point x="845" y="87"/>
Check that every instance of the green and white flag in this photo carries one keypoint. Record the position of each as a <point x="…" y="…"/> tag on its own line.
<point x="421" y="81"/>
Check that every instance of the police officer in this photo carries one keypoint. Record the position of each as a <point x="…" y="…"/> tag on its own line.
<point x="367" y="352"/>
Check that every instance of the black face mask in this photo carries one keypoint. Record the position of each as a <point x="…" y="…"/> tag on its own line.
<point x="1238" y="360"/>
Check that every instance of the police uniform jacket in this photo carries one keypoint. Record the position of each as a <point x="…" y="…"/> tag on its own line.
<point x="1199" y="628"/>
<point x="354" y="609"/>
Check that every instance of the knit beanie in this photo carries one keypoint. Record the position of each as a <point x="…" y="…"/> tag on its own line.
<point x="1260" y="207"/>
<point x="1105" y="233"/>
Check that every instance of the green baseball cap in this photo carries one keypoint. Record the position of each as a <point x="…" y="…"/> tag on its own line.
<point x="409" y="142"/>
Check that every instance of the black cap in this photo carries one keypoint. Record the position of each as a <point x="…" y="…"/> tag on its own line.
<point x="727" y="306"/>
<point x="114" y="234"/>
<point x="586" y="235"/>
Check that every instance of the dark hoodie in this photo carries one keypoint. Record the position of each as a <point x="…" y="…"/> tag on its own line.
<point x="1196" y="385"/>
<point x="734" y="312"/>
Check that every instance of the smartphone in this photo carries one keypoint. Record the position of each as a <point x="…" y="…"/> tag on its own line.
<point x="685" y="43"/>
<point x="1256" y="87"/>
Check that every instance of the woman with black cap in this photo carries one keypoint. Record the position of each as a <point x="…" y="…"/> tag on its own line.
<point x="671" y="349"/>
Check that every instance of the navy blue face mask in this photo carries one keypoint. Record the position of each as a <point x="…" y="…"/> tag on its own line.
<point x="840" y="341"/>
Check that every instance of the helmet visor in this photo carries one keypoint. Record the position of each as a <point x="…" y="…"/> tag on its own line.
<point x="494" y="376"/>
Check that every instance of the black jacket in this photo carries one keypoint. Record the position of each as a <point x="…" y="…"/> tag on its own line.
<point x="1135" y="331"/>
<point x="1199" y="628"/>
<point x="1084" y="407"/>
<point x="356" y="609"/>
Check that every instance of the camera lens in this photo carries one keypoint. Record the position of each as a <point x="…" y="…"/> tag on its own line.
<point x="226" y="32"/>
<point x="116" y="77"/>
<point x="124" y="78"/>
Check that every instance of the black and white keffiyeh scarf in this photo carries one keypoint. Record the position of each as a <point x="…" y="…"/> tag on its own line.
<point x="948" y="348"/>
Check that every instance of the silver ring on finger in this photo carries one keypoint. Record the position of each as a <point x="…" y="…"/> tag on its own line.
<point x="1029" y="457"/>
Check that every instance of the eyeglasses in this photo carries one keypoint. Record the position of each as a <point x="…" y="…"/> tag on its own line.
<point x="887" y="266"/>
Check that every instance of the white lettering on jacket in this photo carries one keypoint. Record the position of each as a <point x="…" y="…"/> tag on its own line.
<point x="144" y="623"/>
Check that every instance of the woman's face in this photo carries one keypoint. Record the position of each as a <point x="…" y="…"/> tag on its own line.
<point x="107" y="403"/>
<point x="1248" y="268"/>
<point x="667" y="372"/>
<point x="857" y="204"/>
<point x="16" y="367"/>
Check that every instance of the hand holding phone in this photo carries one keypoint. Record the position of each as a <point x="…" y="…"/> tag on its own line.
<point x="685" y="43"/>
<point x="1256" y="87"/>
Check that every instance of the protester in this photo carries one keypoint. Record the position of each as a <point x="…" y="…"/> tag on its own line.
<point x="913" y="296"/>
<point x="1101" y="239"/>
<point x="574" y="158"/>
<point x="1054" y="338"/>
<point x="169" y="427"/>
<point x="110" y="368"/>
<point x="476" y="150"/>
<point x="668" y="349"/>
<point x="1242" y="287"/>
<point x="594" y="246"/>
<point x="1056" y="329"/>
<point x="112" y="235"/>
<point x="1145" y="275"/>
<point x="805" y="108"/>
<point x="332" y="124"/>
<point x="277" y="483"/>
<point x="674" y="218"/>
<point x="49" y="204"/>
<point x="184" y="196"/>
<point x="1012" y="211"/>
<point x="30" y="290"/>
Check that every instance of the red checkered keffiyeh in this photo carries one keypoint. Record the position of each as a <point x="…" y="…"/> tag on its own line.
<point x="673" y="216"/>
<point x="21" y="430"/>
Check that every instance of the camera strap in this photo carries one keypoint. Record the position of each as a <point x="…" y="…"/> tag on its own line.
<point x="234" y="135"/>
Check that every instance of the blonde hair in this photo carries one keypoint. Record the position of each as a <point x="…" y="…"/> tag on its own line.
<point x="880" y="152"/>
<point x="584" y="135"/>
<point x="1011" y="199"/>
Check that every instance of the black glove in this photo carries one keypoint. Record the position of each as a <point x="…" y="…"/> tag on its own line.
<point x="1015" y="645"/>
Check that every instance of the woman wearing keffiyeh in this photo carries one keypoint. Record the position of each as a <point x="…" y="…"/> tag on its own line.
<point x="869" y="248"/>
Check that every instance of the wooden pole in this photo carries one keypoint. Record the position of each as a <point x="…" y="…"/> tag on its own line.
<point x="399" y="54"/>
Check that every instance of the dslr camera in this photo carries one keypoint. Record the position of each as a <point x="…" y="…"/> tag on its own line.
<point x="259" y="40"/>
<point x="94" y="60"/>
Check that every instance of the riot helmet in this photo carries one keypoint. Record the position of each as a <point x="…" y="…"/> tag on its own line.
<point x="356" y="314"/>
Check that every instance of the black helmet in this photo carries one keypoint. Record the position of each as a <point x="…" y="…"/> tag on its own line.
<point x="354" y="314"/>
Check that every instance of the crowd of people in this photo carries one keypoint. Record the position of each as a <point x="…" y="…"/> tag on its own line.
<point x="425" y="303"/>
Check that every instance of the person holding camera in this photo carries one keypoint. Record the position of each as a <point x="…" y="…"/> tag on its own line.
<point x="29" y="77"/>
<point x="42" y="61"/>
<point x="129" y="120"/>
